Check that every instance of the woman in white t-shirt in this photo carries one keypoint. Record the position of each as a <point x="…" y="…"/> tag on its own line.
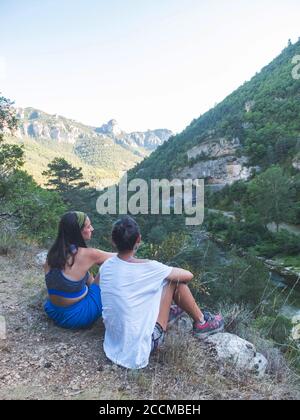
<point x="137" y="296"/>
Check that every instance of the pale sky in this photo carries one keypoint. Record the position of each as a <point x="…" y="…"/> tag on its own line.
<point x="147" y="64"/>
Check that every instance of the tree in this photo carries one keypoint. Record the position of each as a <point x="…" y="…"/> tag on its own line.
<point x="11" y="155"/>
<point x="64" y="178"/>
<point x="270" y="196"/>
<point x="35" y="210"/>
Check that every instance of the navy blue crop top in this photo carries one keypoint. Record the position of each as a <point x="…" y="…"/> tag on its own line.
<point x="58" y="284"/>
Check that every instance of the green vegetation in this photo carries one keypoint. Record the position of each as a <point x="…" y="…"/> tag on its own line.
<point x="271" y="196"/>
<point x="64" y="178"/>
<point x="26" y="208"/>
<point x="39" y="153"/>
<point x="263" y="114"/>
<point x="100" y="157"/>
<point x="11" y="156"/>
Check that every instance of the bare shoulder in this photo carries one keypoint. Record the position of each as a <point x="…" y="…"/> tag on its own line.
<point x="88" y="252"/>
<point x="96" y="256"/>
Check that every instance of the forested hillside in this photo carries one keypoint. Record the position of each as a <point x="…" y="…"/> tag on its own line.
<point x="263" y="114"/>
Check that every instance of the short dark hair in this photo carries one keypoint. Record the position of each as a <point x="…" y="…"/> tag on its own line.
<point x="125" y="233"/>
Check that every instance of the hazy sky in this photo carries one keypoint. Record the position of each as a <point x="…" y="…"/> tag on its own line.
<point x="147" y="64"/>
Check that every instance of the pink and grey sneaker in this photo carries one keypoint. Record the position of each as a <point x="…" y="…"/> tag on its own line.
<point x="212" y="325"/>
<point x="175" y="313"/>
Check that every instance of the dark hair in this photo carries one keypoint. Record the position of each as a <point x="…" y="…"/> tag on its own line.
<point x="69" y="233"/>
<point x="125" y="233"/>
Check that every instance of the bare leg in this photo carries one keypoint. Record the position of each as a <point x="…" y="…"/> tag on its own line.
<point x="184" y="299"/>
<point x="165" y="304"/>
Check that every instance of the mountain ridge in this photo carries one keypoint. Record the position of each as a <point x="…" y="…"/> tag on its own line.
<point x="102" y="156"/>
<point x="39" y="124"/>
<point x="261" y="118"/>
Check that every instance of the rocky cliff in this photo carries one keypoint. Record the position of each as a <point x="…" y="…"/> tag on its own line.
<point x="216" y="160"/>
<point x="38" y="124"/>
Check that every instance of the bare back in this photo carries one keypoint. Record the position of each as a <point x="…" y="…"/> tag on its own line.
<point x="82" y="264"/>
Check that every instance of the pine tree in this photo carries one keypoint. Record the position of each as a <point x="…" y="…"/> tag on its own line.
<point x="64" y="178"/>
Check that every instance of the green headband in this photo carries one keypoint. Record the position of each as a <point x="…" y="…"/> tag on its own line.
<point x="80" y="218"/>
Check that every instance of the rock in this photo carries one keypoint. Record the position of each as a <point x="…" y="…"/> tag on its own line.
<point x="296" y="163"/>
<point x="215" y="148"/>
<point x="216" y="159"/>
<point x="48" y="365"/>
<point x="295" y="333"/>
<point x="249" y="105"/>
<point x="258" y="365"/>
<point x="41" y="258"/>
<point x="2" y="328"/>
<point x="241" y="353"/>
<point x="296" y="319"/>
<point x="40" y="125"/>
<point x="149" y="139"/>
<point x="111" y="128"/>
<point x="221" y="170"/>
<point x="185" y="323"/>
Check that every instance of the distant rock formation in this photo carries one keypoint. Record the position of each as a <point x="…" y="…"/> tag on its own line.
<point x="150" y="139"/>
<point x="40" y="125"/>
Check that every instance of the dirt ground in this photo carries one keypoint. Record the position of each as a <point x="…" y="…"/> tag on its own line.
<point x="41" y="361"/>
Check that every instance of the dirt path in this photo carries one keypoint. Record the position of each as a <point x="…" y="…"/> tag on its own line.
<point x="41" y="361"/>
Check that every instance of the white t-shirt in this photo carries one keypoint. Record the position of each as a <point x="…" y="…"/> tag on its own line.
<point x="131" y="294"/>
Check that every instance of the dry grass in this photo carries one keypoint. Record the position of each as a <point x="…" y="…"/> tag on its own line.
<point x="41" y="361"/>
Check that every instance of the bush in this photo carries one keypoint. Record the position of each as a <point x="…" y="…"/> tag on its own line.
<point x="216" y="222"/>
<point x="8" y="239"/>
<point x="36" y="210"/>
<point x="166" y="250"/>
<point x="287" y="243"/>
<point x="237" y="317"/>
<point x="157" y="234"/>
<point x="246" y="234"/>
<point x="277" y="328"/>
<point x="283" y="243"/>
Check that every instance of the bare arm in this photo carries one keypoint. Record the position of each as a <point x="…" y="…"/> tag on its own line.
<point x="98" y="257"/>
<point x="179" y="274"/>
<point x="46" y="267"/>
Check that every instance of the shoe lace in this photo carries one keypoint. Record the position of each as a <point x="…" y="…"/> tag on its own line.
<point x="208" y="316"/>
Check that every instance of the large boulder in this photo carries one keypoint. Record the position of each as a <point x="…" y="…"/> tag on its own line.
<point x="239" y="352"/>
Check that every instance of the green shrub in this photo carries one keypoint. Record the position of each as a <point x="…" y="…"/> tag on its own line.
<point x="283" y="242"/>
<point x="8" y="238"/>
<point x="277" y="328"/>
<point x="36" y="210"/>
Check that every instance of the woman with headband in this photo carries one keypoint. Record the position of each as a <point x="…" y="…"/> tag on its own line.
<point x="74" y="299"/>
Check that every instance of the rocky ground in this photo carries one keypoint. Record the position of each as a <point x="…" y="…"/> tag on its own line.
<point x="41" y="361"/>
